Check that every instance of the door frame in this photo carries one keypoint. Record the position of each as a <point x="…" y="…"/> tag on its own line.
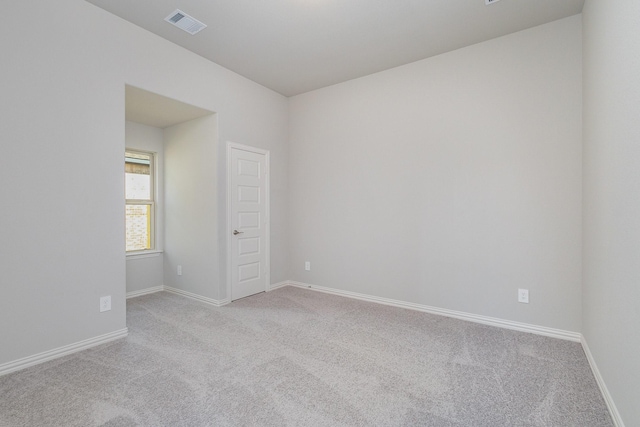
<point x="229" y="229"/>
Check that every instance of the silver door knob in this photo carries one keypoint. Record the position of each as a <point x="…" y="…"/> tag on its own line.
<point x="236" y="232"/>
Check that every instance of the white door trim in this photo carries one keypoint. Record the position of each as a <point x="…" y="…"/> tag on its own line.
<point x="235" y="146"/>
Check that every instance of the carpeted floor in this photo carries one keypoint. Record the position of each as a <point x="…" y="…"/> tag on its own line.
<point x="302" y="358"/>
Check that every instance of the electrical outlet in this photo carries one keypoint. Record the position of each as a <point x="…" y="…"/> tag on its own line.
<point x="179" y="270"/>
<point x="105" y="303"/>
<point x="307" y="266"/>
<point x="523" y="296"/>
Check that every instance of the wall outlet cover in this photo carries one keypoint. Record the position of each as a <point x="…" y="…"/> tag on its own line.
<point x="105" y="303"/>
<point x="523" y="296"/>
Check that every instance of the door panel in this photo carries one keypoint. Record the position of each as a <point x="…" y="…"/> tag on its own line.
<point x="248" y="186"/>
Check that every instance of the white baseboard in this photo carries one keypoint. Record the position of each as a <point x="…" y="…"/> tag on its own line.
<point x="485" y="320"/>
<point x="102" y="339"/>
<point x="215" y="302"/>
<point x="146" y="291"/>
<point x="613" y="410"/>
<point x="25" y="362"/>
<point x="278" y="285"/>
<point x="501" y="323"/>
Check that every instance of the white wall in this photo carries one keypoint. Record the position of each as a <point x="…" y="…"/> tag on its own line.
<point x="191" y="230"/>
<point x="61" y="180"/>
<point x="612" y="197"/>
<point x="146" y="271"/>
<point x="450" y="182"/>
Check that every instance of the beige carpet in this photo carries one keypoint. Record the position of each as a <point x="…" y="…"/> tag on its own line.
<point x="301" y="358"/>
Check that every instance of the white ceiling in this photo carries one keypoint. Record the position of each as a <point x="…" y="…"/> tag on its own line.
<point x="294" y="46"/>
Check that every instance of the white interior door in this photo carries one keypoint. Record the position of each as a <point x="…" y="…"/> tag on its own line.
<point x="249" y="220"/>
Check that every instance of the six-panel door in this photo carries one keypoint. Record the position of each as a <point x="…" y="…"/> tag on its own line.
<point x="248" y="221"/>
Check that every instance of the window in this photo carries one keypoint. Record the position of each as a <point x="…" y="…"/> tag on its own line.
<point x="140" y="205"/>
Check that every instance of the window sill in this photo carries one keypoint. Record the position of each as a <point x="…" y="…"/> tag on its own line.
<point x="144" y="254"/>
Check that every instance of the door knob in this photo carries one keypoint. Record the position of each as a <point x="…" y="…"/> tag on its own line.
<point x="236" y="232"/>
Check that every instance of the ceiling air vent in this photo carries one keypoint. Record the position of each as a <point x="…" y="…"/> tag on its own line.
<point x="185" y="22"/>
<point x="488" y="2"/>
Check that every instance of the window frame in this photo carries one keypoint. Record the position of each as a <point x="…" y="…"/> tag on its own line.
<point x="143" y="202"/>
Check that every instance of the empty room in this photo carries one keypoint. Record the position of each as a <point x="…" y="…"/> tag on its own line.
<point x="320" y="212"/>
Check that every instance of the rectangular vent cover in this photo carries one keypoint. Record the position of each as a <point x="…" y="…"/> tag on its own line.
<point x="185" y="22"/>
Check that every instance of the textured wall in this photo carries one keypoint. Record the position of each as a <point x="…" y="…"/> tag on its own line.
<point x="63" y="103"/>
<point x="191" y="230"/>
<point x="612" y="197"/>
<point x="450" y="182"/>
